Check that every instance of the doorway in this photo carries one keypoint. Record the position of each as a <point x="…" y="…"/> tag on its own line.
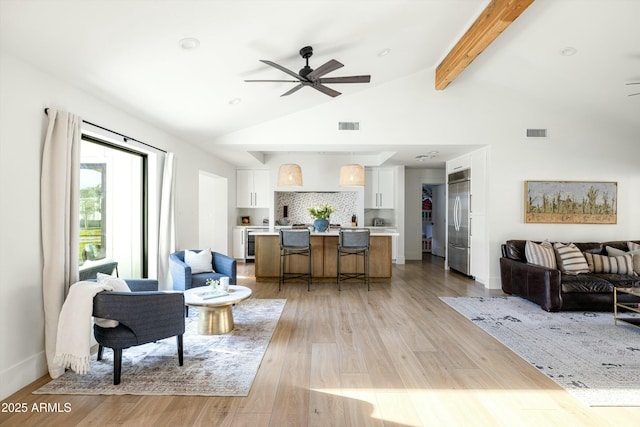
<point x="433" y="219"/>
<point x="213" y="224"/>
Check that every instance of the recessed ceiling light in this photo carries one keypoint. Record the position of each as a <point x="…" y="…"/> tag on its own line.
<point x="384" y="52"/>
<point x="189" y="43"/>
<point x="235" y="101"/>
<point x="568" y="51"/>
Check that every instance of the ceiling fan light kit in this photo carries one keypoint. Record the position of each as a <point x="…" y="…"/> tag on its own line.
<point x="307" y="76"/>
<point x="290" y="175"/>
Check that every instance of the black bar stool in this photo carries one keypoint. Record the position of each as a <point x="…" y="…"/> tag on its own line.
<point x="354" y="242"/>
<point x="294" y="242"/>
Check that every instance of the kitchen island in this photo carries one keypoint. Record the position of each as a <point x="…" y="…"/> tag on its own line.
<point x="324" y="255"/>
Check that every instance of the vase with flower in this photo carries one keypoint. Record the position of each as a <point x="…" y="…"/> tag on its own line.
<point x="214" y="285"/>
<point x="321" y="214"/>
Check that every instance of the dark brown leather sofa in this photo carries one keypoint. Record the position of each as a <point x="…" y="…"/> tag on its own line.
<point x="556" y="291"/>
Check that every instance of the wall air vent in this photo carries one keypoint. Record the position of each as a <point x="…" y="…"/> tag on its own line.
<point x="537" y="133"/>
<point x="348" y="125"/>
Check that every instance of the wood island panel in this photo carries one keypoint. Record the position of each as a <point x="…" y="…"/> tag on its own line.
<point x="324" y="253"/>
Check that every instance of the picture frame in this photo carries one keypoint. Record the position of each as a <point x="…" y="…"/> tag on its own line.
<point x="245" y="220"/>
<point x="570" y="202"/>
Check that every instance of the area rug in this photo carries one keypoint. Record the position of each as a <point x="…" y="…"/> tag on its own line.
<point x="214" y="365"/>
<point x="584" y="352"/>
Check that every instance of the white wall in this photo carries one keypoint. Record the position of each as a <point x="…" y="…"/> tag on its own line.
<point x="439" y="220"/>
<point x="213" y="213"/>
<point x="410" y="112"/>
<point x="24" y="93"/>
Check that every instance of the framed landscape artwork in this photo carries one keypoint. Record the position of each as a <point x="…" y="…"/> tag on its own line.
<point x="570" y="202"/>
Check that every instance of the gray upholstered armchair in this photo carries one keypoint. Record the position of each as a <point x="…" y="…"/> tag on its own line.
<point x="144" y="315"/>
<point x="223" y="266"/>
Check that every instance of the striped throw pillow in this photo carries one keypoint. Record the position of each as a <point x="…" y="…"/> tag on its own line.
<point x="610" y="264"/>
<point x="634" y="253"/>
<point x="540" y="254"/>
<point x="570" y="259"/>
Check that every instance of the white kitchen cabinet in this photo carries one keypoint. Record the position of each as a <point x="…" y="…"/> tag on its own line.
<point x="379" y="188"/>
<point x="459" y="163"/>
<point x="252" y="188"/>
<point x="239" y="241"/>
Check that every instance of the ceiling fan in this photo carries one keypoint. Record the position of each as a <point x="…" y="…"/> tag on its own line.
<point x="313" y="78"/>
<point x="634" y="94"/>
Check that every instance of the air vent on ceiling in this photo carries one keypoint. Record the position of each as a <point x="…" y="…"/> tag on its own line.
<point x="537" y="133"/>
<point x="348" y="125"/>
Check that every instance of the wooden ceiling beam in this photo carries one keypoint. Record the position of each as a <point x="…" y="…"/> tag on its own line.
<point x="493" y="20"/>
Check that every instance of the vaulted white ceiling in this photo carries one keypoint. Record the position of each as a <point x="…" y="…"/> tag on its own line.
<point x="128" y="53"/>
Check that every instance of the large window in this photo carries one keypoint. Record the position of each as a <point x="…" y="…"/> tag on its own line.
<point x="113" y="225"/>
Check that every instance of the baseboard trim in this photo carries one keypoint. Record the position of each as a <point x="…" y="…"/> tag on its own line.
<point x="22" y="374"/>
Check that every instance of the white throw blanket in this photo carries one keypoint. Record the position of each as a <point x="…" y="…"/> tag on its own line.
<point x="73" y="345"/>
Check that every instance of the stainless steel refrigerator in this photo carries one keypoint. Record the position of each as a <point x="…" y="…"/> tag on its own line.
<point x="458" y="236"/>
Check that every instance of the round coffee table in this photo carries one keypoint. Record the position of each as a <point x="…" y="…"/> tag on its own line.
<point x="216" y="316"/>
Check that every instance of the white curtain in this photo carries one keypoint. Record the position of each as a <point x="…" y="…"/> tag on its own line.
<point x="59" y="217"/>
<point x="166" y="233"/>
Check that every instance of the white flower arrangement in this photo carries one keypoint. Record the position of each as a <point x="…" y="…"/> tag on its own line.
<point x="213" y="284"/>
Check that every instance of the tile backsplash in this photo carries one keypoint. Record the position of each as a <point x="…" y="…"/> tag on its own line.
<point x="345" y="203"/>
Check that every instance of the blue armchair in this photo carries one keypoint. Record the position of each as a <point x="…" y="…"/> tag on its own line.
<point x="144" y="315"/>
<point x="223" y="266"/>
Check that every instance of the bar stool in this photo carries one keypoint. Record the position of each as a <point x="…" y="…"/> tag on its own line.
<point x="354" y="242"/>
<point x="294" y="242"/>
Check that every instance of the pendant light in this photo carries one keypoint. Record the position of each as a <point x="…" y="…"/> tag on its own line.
<point x="352" y="175"/>
<point x="290" y="175"/>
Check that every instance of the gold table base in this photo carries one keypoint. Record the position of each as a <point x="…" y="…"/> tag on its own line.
<point x="215" y="320"/>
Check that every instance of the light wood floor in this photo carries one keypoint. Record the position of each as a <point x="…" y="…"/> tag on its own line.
<point x="394" y="356"/>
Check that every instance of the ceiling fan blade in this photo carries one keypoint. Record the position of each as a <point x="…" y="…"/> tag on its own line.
<point x="324" y="69"/>
<point x="294" y="89"/>
<point x="281" y="68"/>
<point x="634" y="83"/>
<point x="346" y="79"/>
<point x="634" y="94"/>
<point x="326" y="90"/>
<point x="275" y="81"/>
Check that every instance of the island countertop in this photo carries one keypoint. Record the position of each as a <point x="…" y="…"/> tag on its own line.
<point x="330" y="232"/>
<point x="324" y="247"/>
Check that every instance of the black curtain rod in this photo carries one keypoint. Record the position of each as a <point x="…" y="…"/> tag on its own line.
<point x="126" y="138"/>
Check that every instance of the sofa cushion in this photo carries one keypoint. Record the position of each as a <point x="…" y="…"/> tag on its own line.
<point x="591" y="247"/>
<point x="570" y="259"/>
<point x="515" y="250"/>
<point x="585" y="283"/>
<point x="633" y="246"/>
<point x="622" y="264"/>
<point x="619" y="280"/>
<point x="540" y="254"/>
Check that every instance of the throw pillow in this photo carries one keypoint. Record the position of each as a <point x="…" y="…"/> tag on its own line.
<point x="622" y="264"/>
<point x="635" y="254"/>
<point x="540" y="254"/>
<point x="118" y="285"/>
<point x="200" y="262"/>
<point x="570" y="259"/>
<point x="633" y="246"/>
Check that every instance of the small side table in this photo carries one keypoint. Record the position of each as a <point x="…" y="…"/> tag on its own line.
<point x="626" y="306"/>
<point x="216" y="315"/>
